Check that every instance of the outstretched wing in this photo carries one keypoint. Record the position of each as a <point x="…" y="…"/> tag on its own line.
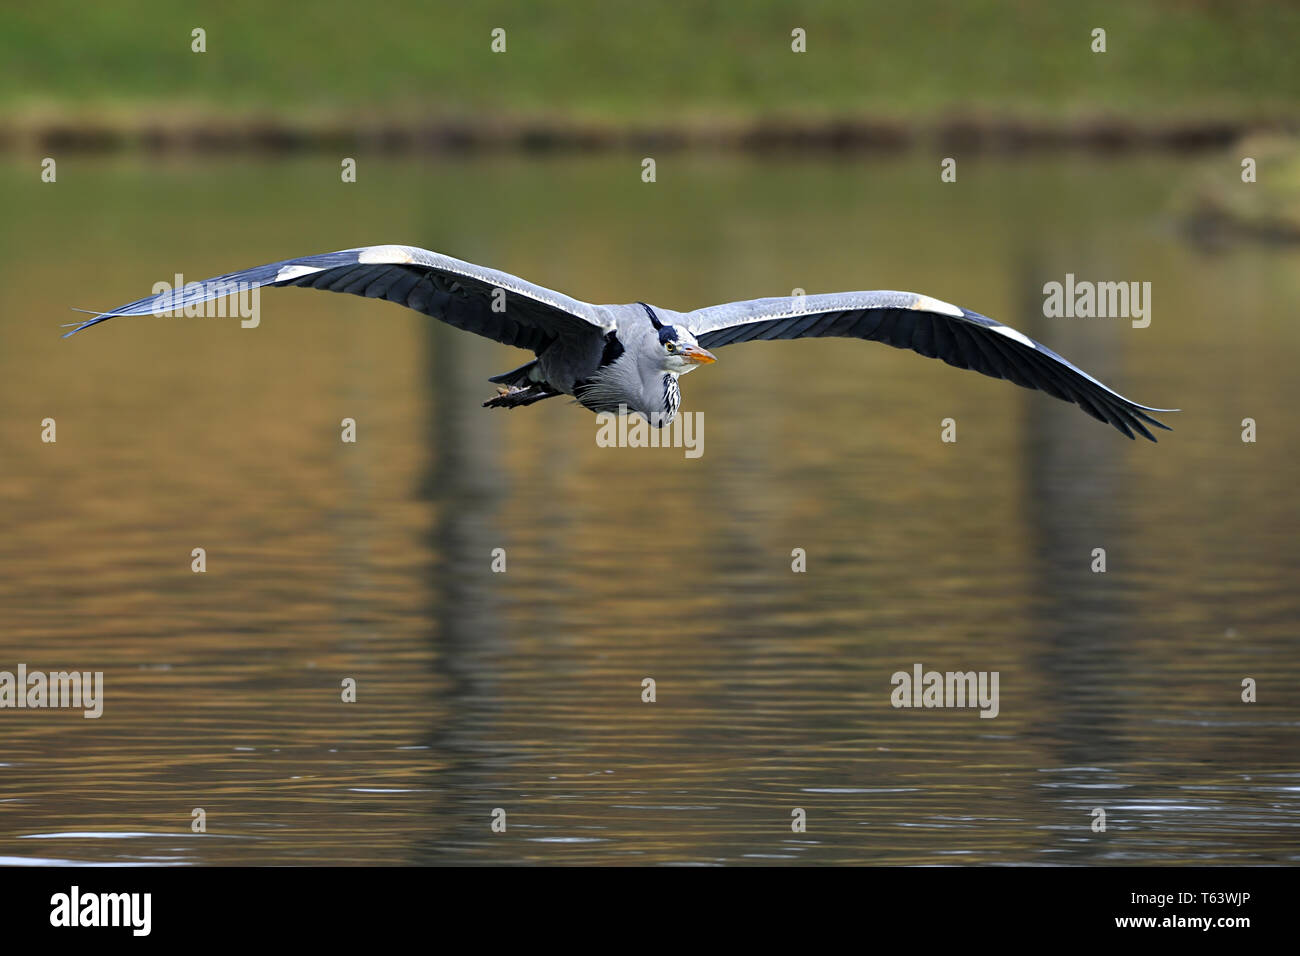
<point x="460" y="293"/>
<point x="935" y="329"/>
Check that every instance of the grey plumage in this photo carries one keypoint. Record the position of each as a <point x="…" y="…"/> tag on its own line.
<point x="612" y="357"/>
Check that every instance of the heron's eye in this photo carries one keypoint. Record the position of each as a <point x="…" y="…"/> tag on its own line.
<point x="671" y="347"/>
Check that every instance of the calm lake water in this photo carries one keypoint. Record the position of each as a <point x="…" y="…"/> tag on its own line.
<point x="523" y="690"/>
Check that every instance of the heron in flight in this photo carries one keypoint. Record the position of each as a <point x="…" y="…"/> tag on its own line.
<point x="615" y="358"/>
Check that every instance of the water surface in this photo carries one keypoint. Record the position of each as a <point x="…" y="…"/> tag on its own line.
<point x="522" y="690"/>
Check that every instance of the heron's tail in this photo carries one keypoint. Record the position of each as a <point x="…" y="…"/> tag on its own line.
<point x="518" y="377"/>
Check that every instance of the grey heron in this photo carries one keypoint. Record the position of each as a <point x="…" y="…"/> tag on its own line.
<point x="630" y="357"/>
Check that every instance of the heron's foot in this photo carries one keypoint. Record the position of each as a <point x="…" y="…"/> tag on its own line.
<point x="512" y="396"/>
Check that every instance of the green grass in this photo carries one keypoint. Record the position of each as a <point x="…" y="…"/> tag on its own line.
<point x="653" y="61"/>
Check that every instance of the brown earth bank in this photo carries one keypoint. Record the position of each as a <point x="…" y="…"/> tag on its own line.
<point x="968" y="133"/>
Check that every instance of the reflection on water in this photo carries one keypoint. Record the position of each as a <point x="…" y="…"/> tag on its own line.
<point x="522" y="690"/>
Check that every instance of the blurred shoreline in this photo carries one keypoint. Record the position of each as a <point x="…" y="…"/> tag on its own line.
<point x="969" y="133"/>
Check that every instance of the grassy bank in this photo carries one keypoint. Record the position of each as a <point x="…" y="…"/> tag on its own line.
<point x="584" y="63"/>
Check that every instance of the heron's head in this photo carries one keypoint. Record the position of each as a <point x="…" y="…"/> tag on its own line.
<point x="679" y="352"/>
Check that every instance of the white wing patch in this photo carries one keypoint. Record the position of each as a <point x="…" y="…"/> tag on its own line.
<point x="384" y="255"/>
<point x="924" y="303"/>
<point x="294" y="272"/>
<point x="1011" y="333"/>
